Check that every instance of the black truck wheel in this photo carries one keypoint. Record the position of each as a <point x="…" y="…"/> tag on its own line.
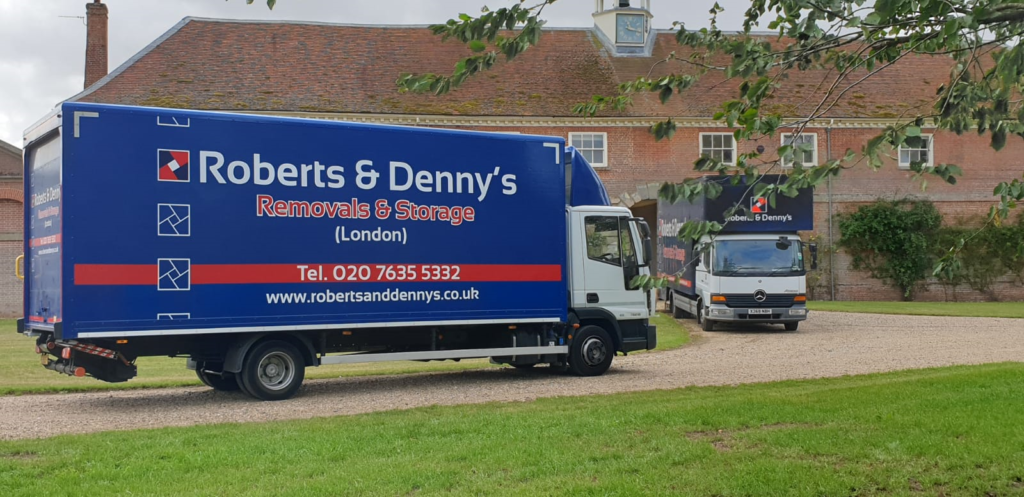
<point x="702" y="317"/>
<point x="272" y="370"/>
<point x="591" y="352"/>
<point x="791" y="326"/>
<point x="677" y="313"/>
<point x="222" y="382"/>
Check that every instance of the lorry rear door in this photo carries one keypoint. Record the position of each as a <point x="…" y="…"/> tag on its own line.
<point x="43" y="232"/>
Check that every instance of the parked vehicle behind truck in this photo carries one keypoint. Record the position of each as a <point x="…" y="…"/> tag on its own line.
<point x="259" y="246"/>
<point x="752" y="271"/>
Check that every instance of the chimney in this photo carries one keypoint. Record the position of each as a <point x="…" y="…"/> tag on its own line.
<point x="95" y="42"/>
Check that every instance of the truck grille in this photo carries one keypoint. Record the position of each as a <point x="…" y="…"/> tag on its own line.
<point x="747" y="300"/>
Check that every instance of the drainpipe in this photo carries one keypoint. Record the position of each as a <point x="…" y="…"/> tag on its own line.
<point x="831" y="240"/>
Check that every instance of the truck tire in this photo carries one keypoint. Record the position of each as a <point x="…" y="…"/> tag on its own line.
<point x="272" y="370"/>
<point x="791" y="326"/>
<point x="702" y="317"/>
<point x="677" y="313"/>
<point x="591" y="352"/>
<point x="221" y="382"/>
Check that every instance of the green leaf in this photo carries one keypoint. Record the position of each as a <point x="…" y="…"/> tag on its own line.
<point x="477" y="46"/>
<point x="998" y="139"/>
<point x="665" y="94"/>
<point x="913" y="131"/>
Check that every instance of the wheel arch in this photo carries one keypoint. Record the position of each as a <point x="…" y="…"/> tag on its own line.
<point x="236" y="352"/>
<point x="603" y="318"/>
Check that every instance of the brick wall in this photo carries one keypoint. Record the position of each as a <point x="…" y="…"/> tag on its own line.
<point x="10" y="285"/>
<point x="11" y="220"/>
<point x="11" y="246"/>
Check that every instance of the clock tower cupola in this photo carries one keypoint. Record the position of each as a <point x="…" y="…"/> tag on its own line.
<point x="625" y="26"/>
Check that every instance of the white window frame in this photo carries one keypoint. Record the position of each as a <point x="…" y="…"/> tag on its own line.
<point x="700" y="145"/>
<point x="814" y="152"/>
<point x="931" y="152"/>
<point x="604" y="139"/>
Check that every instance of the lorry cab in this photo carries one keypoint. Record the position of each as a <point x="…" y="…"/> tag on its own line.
<point x="613" y="249"/>
<point x="751" y="278"/>
<point x="617" y="251"/>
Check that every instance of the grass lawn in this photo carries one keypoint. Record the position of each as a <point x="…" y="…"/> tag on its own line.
<point x="20" y="371"/>
<point x="952" y="431"/>
<point x="671" y="333"/>
<point x="967" y="309"/>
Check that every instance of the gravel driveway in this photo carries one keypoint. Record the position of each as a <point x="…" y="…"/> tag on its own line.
<point x="827" y="344"/>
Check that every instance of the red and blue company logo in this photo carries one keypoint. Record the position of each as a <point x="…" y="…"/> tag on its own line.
<point x="759" y="205"/>
<point x="173" y="165"/>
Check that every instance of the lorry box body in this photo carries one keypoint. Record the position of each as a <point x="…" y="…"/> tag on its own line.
<point x="752" y="233"/>
<point x="231" y="223"/>
<point x="152" y="223"/>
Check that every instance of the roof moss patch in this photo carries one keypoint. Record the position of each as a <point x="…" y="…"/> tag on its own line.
<point x="168" y="101"/>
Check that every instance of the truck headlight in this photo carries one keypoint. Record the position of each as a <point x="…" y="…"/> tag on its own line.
<point x="798" y="312"/>
<point x="721" y="312"/>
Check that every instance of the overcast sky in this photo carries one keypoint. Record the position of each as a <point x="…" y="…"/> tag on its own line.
<point x="42" y="42"/>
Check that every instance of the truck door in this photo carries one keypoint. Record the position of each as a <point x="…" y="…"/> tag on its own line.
<point x="703" y="271"/>
<point x="610" y="265"/>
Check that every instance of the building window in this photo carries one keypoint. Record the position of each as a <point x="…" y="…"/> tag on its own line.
<point x="806" y="158"/>
<point x="718" y="146"/>
<point x="921" y="153"/>
<point x="593" y="146"/>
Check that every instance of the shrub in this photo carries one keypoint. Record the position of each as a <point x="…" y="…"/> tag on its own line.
<point x="893" y="240"/>
<point x="899" y="242"/>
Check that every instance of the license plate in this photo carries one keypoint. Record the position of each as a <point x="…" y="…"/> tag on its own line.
<point x="759" y="311"/>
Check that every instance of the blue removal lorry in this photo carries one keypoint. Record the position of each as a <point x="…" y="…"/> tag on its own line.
<point x="753" y="270"/>
<point x="256" y="246"/>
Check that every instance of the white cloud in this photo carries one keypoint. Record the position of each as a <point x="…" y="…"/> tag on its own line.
<point x="42" y="54"/>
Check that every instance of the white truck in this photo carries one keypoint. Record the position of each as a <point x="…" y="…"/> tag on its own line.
<point x="752" y="271"/>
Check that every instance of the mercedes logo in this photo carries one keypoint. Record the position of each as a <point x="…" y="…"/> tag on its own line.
<point x="760" y="296"/>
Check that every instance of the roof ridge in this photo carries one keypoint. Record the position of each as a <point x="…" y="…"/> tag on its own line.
<point x="131" y="60"/>
<point x="10" y="148"/>
<point x="353" y="25"/>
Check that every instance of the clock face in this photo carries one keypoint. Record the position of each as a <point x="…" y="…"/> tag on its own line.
<point x="629" y="28"/>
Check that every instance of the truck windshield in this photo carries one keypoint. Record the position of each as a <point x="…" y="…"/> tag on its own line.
<point x="757" y="258"/>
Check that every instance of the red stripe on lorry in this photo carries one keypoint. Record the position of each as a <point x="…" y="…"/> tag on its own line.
<point x="241" y="274"/>
<point x="45" y="240"/>
<point x="115" y="274"/>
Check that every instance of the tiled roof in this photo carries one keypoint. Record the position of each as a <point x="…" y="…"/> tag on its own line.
<point x="285" y="66"/>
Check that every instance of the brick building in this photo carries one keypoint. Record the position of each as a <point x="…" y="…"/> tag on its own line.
<point x="348" y="72"/>
<point x="12" y="217"/>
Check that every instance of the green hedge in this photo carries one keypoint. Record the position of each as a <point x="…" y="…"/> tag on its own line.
<point x="900" y="242"/>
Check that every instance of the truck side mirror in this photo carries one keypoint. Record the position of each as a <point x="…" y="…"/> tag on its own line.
<point x="645" y="237"/>
<point x="813" y="247"/>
